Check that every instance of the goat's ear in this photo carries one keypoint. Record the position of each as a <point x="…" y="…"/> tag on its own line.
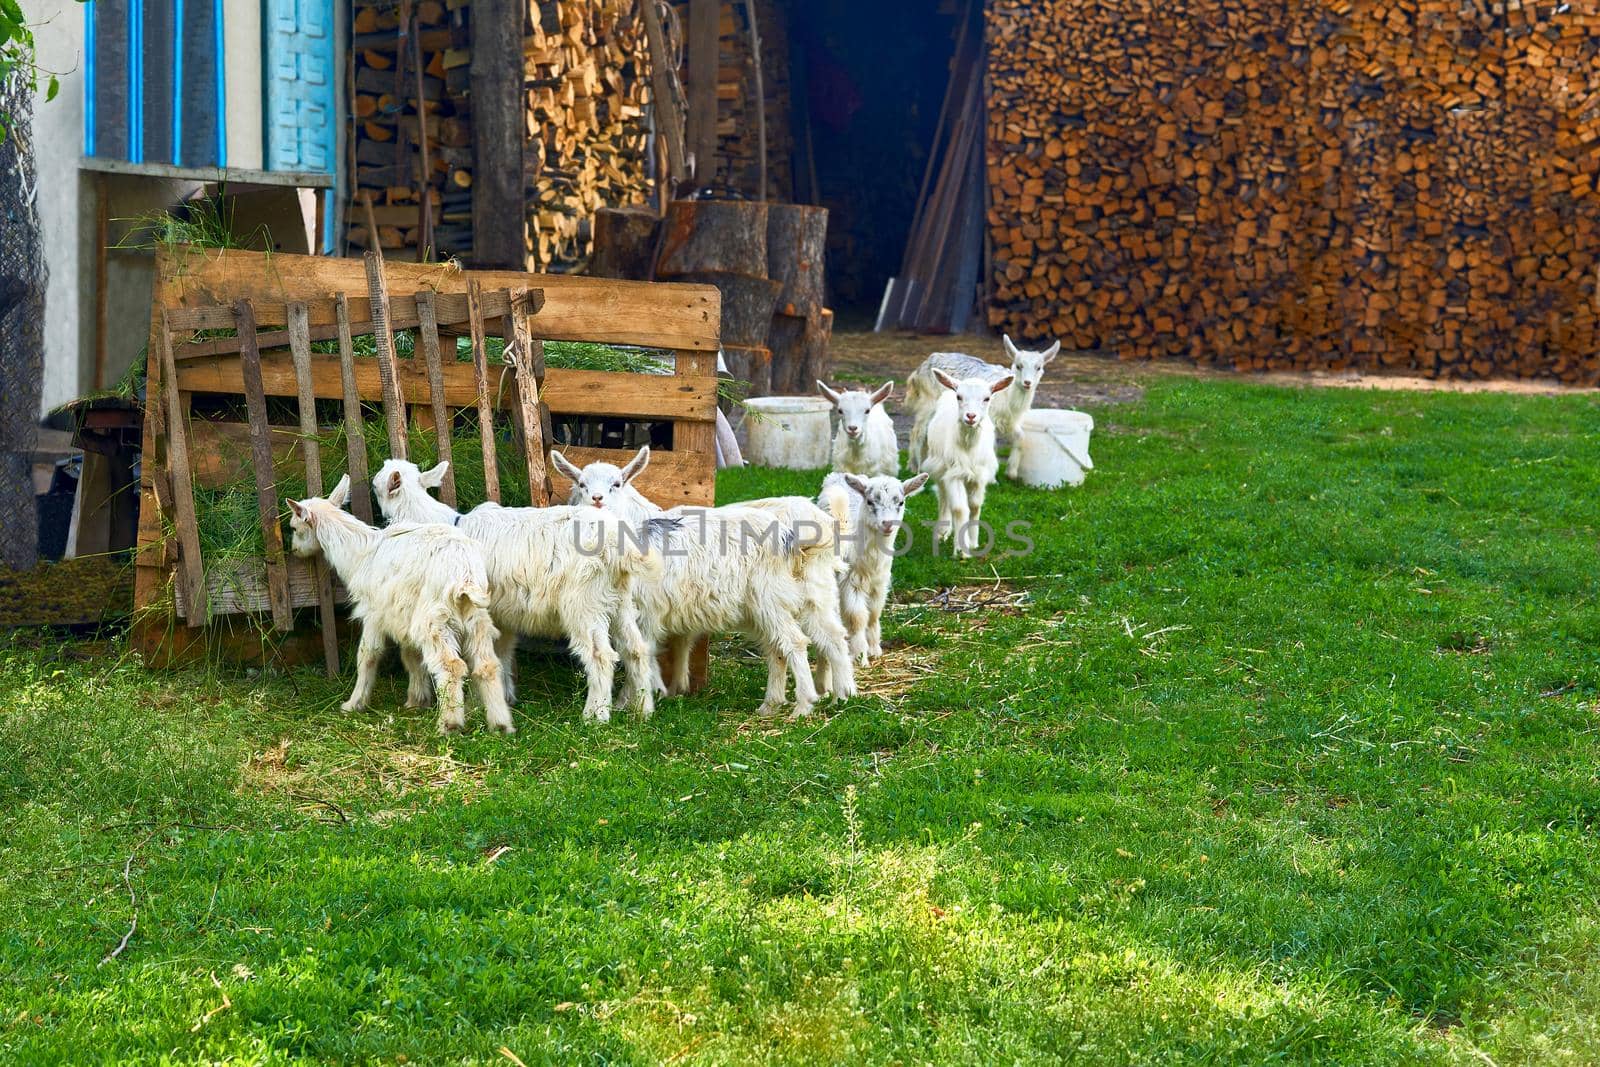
<point x="637" y="464"/>
<point x="341" y="492"/>
<point x="944" y="379"/>
<point x="394" y="483"/>
<point x="298" y="509"/>
<point x="913" y="486"/>
<point x="564" y="465"/>
<point x="1011" y="349"/>
<point x="1053" y="351"/>
<point x="433" y="477"/>
<point x="884" y="392"/>
<point x="1001" y="384"/>
<point x="856" y="482"/>
<point x="829" y="393"/>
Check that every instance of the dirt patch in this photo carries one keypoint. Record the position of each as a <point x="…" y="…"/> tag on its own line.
<point x="999" y="597"/>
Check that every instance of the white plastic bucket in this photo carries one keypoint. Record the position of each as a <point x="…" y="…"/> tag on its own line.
<point x="1054" y="447"/>
<point x="789" y="431"/>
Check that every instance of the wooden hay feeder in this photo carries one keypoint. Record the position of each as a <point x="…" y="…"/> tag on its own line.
<point x="234" y="347"/>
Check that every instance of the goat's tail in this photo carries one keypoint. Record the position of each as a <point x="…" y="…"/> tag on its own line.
<point x="468" y="596"/>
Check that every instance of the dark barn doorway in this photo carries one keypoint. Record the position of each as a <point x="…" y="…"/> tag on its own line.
<point x="867" y="82"/>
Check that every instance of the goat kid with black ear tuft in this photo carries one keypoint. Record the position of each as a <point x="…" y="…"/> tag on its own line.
<point x="875" y="509"/>
<point x="960" y="456"/>
<point x="426" y="588"/>
<point x="865" y="442"/>
<point x="756" y="567"/>
<point x="1027" y="368"/>
<point x="553" y="572"/>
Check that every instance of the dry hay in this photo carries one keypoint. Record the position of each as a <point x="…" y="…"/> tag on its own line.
<point x="372" y="772"/>
<point x="74" y="592"/>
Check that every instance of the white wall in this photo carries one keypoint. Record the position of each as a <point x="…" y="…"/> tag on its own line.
<point x="62" y="196"/>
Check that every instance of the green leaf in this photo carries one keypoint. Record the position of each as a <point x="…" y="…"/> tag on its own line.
<point x="52" y="88"/>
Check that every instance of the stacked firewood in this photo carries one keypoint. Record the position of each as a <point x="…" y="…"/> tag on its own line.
<point x="586" y="78"/>
<point x="1406" y="186"/>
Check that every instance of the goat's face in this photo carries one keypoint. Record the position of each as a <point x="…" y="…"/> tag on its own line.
<point x="600" y="485"/>
<point x="973" y="395"/>
<point x="854" y="405"/>
<point x="302" y="519"/>
<point x="398" y="477"/>
<point x="1027" y="366"/>
<point x="884" y="510"/>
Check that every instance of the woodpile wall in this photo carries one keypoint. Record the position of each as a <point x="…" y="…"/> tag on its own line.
<point x="586" y="79"/>
<point x="1260" y="184"/>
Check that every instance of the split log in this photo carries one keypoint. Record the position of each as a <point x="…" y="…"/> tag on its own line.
<point x="624" y="243"/>
<point x="797" y="235"/>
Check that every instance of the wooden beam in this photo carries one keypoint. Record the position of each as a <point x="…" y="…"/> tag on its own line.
<point x="668" y="120"/>
<point x="300" y="352"/>
<point x="482" y="400"/>
<point x="261" y="461"/>
<point x="394" y="405"/>
<point x="429" y="336"/>
<point x="525" y="356"/>
<point x="704" y="16"/>
<point x="614" y="394"/>
<point x="355" y="436"/>
<point x="193" y="576"/>
<point x="499" y="114"/>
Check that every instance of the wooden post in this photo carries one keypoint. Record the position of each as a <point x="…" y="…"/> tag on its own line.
<point x="526" y="357"/>
<point x="761" y="99"/>
<point x="425" y="178"/>
<point x="668" y="121"/>
<point x="192" y="572"/>
<point x="499" y="115"/>
<point x="394" y="405"/>
<point x="428" y="331"/>
<point x="486" y="406"/>
<point x="300" y="351"/>
<point x="703" y="65"/>
<point x="255" y="396"/>
<point x="355" y="436"/>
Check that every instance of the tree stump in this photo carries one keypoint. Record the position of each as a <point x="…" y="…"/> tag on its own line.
<point x="624" y="243"/>
<point x="714" y="236"/>
<point x="796" y="236"/>
<point x="800" y="352"/>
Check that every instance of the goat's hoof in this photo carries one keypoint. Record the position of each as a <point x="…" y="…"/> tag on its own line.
<point x="506" y="727"/>
<point x="417" y="702"/>
<point x="600" y="715"/>
<point x="353" y="705"/>
<point x="451" y="727"/>
<point x="801" y="711"/>
<point x="769" y="709"/>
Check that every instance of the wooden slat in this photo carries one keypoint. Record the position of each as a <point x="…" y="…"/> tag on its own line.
<point x="261" y="460"/>
<point x="576" y="308"/>
<point x="300" y="352"/>
<point x="480" y="382"/>
<point x="696" y="434"/>
<point x="239" y="587"/>
<point x="354" y="423"/>
<point x="394" y="408"/>
<point x="428" y="328"/>
<point x="192" y="574"/>
<point x="612" y="394"/>
<point x="450" y="309"/>
<point x="523" y="353"/>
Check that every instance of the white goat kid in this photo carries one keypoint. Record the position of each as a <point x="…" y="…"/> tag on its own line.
<point x="960" y="455"/>
<point x="876" y="509"/>
<point x="426" y="588"/>
<point x="865" y="442"/>
<point x="553" y="572"/>
<point x="763" y="568"/>
<point x="923" y="392"/>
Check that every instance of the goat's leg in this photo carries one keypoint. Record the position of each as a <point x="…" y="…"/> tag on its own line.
<point x="975" y="495"/>
<point x="1014" y="461"/>
<point x="639" y="667"/>
<point x="449" y="672"/>
<point x="590" y="641"/>
<point x="781" y="634"/>
<point x="957" y="490"/>
<point x="505" y="650"/>
<point x="681" y="645"/>
<point x="485" y="662"/>
<point x="368" y="655"/>
<point x="837" y="671"/>
<point x="875" y="630"/>
<point x="943" y="527"/>
<point x="419" y="687"/>
<point x="777" y="682"/>
<point x="853" y="608"/>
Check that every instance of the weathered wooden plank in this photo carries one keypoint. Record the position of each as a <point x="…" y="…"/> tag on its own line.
<point x="300" y="352"/>
<point x="499" y="113"/>
<point x="696" y="434"/>
<point x="523" y="354"/>
<point x="239" y="587"/>
<point x="192" y="573"/>
<point x="480" y="383"/>
<point x="613" y="394"/>
<point x="354" y="422"/>
<point x="576" y="308"/>
<point x="428" y="330"/>
<point x="394" y="405"/>
<point x="261" y="460"/>
<point x="450" y="309"/>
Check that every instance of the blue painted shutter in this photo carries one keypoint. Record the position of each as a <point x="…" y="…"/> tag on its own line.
<point x="300" y="118"/>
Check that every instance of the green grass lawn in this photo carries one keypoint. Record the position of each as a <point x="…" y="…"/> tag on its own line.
<point x="1290" y="754"/>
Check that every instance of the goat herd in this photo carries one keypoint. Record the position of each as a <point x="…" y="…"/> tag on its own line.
<point x="619" y="577"/>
